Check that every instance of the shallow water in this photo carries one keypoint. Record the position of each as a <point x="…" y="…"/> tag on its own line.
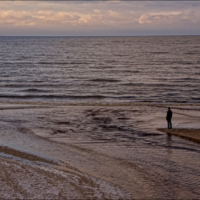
<point x="116" y="144"/>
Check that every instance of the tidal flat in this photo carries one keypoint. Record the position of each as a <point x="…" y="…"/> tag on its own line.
<point x="97" y="151"/>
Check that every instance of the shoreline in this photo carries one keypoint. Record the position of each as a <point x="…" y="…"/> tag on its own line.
<point x="114" y="104"/>
<point x="108" y="145"/>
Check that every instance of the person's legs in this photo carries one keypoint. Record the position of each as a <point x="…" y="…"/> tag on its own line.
<point x="170" y="124"/>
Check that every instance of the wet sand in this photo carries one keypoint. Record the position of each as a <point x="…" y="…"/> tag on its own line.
<point x="87" y="152"/>
<point x="27" y="176"/>
<point x="190" y="134"/>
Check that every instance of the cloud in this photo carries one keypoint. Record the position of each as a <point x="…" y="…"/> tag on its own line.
<point x="41" y="17"/>
<point x="171" y="18"/>
<point x="158" y="18"/>
<point x="50" y="17"/>
<point x="11" y="17"/>
<point x="105" y="16"/>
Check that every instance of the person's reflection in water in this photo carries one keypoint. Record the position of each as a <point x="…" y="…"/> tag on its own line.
<point x="169" y="144"/>
<point x="169" y="139"/>
<point x="168" y="118"/>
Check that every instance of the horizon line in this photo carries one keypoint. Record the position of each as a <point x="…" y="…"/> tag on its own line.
<point x="101" y="36"/>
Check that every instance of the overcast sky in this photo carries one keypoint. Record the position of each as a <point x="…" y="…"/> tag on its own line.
<point x="99" y="18"/>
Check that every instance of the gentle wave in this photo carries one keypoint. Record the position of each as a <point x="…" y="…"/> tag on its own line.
<point x="122" y="69"/>
<point x="53" y="96"/>
<point x="102" y="104"/>
<point x="104" y="80"/>
<point x="65" y="63"/>
<point x="38" y="84"/>
<point x="34" y="90"/>
<point x="159" y="52"/>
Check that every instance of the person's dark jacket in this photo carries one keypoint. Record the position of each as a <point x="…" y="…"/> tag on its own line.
<point x="169" y="115"/>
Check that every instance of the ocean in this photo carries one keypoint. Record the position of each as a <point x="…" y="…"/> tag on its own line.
<point x="80" y="117"/>
<point x="163" y="69"/>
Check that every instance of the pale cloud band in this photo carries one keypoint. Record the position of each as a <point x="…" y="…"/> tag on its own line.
<point x="97" y="18"/>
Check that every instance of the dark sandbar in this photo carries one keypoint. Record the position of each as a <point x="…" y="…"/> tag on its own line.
<point x="190" y="134"/>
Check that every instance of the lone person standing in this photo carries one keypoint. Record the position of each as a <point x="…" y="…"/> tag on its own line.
<point x="168" y="118"/>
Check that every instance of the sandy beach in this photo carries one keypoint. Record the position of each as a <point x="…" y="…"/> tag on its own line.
<point x="102" y="152"/>
<point x="27" y="176"/>
<point x="28" y="180"/>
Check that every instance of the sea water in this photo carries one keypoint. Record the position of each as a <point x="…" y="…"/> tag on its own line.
<point x="118" y="144"/>
<point x="100" y="69"/>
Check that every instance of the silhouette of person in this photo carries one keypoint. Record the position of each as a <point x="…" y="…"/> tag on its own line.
<point x="168" y="118"/>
